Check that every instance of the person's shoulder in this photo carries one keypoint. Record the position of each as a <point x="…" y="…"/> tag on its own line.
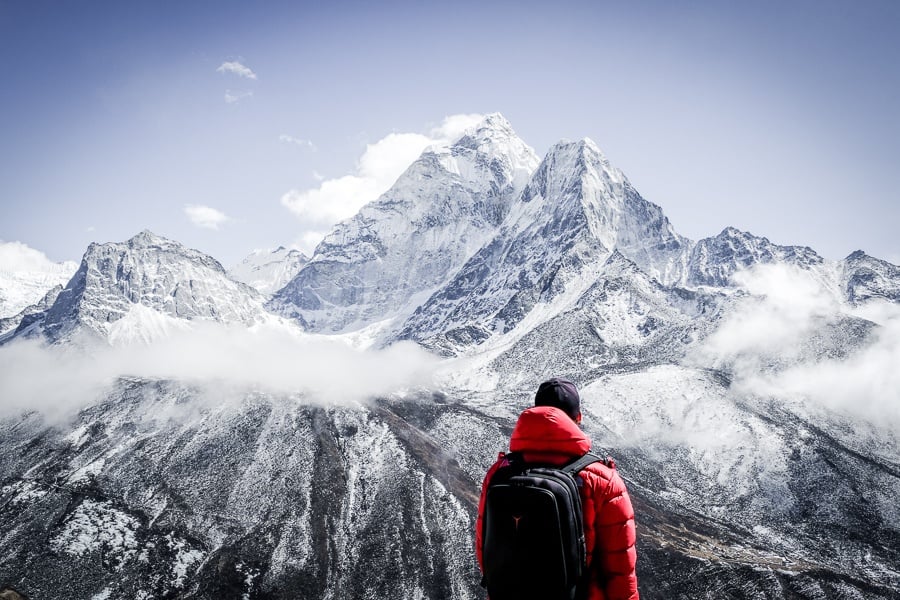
<point x="603" y="469"/>
<point x="502" y="461"/>
<point x="603" y="473"/>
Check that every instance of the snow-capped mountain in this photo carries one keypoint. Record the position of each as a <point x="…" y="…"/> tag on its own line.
<point x="714" y="260"/>
<point x="269" y="270"/>
<point x="865" y="278"/>
<point x="576" y="210"/>
<point x="124" y="290"/>
<point x="751" y="478"/>
<point x="398" y="250"/>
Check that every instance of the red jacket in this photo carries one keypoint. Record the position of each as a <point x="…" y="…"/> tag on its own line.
<point x="547" y="434"/>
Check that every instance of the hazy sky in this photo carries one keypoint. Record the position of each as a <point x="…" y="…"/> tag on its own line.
<point x="195" y="119"/>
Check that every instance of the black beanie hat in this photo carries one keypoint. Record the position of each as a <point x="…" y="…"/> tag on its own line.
<point x="560" y="393"/>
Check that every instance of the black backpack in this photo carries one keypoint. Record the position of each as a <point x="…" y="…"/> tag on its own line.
<point x="533" y="534"/>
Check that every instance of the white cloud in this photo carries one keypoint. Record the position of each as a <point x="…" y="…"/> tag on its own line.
<point x="289" y="139"/>
<point x="17" y="257"/>
<point x="308" y="241"/>
<point x="232" y="97"/>
<point x="236" y="68"/>
<point x="866" y="383"/>
<point x="377" y="169"/>
<point x="205" y="216"/>
<point x="785" y="304"/>
<point x="765" y="343"/>
<point x="452" y="127"/>
<point x="230" y="360"/>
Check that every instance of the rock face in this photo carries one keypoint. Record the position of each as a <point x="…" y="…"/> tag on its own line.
<point x="164" y="489"/>
<point x="384" y="261"/>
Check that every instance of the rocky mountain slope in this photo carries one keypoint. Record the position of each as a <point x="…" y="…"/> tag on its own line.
<point x="266" y="497"/>
<point x="746" y="485"/>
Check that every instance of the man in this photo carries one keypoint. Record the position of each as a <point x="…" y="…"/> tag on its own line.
<point x="549" y="433"/>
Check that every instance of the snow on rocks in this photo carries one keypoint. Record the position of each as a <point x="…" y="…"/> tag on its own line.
<point x="98" y="526"/>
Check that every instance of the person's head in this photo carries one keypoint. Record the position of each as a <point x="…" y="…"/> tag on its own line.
<point x="562" y="394"/>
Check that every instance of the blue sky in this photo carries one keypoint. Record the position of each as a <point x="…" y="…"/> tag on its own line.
<point x="777" y="118"/>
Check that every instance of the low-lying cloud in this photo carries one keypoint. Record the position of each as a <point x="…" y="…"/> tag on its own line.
<point x="785" y="304"/>
<point x="59" y="380"/>
<point x="866" y="383"/>
<point x="773" y="344"/>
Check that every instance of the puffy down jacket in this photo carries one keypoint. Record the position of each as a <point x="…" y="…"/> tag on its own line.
<point x="547" y="434"/>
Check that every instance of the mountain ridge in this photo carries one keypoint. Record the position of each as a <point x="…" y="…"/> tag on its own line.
<point x="146" y="270"/>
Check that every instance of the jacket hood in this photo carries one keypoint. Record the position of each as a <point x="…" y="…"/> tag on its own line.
<point x="548" y="430"/>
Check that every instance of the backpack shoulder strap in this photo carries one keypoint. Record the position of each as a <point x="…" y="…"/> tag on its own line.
<point x="514" y="457"/>
<point x="573" y="467"/>
<point x="581" y="462"/>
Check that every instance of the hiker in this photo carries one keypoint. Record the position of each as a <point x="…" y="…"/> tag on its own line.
<point x="514" y="559"/>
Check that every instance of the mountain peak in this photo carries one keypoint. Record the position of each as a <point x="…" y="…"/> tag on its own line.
<point x="151" y="271"/>
<point x="714" y="260"/>
<point x="379" y="264"/>
<point x="583" y="154"/>
<point x="495" y="120"/>
<point x="734" y="232"/>
<point x="583" y="145"/>
<point x="574" y="212"/>
<point x="867" y="278"/>
<point x="147" y="238"/>
<point x="494" y="135"/>
<point x="492" y="124"/>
